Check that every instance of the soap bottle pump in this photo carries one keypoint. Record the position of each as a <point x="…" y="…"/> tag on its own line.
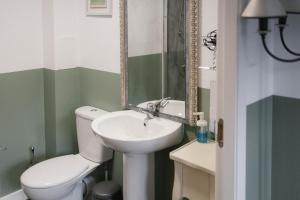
<point x="202" y="130"/>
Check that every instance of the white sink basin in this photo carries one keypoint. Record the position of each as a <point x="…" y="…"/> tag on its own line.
<point x="124" y="131"/>
<point x="174" y="107"/>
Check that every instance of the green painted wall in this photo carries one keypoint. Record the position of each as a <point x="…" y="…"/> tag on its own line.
<point x="67" y="99"/>
<point x="50" y="109"/>
<point x="144" y="78"/>
<point x="62" y="97"/>
<point x="286" y="148"/>
<point x="273" y="149"/>
<point x="100" y="89"/>
<point x="259" y="130"/>
<point x="204" y="102"/>
<point x="21" y="124"/>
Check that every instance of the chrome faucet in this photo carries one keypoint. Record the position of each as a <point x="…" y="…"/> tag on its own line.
<point x="156" y="106"/>
<point x="148" y="113"/>
<point x="153" y="109"/>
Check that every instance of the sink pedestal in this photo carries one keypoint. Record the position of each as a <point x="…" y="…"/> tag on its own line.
<point x="138" y="178"/>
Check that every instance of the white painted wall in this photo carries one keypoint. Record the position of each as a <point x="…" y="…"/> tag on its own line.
<point x="287" y="75"/>
<point x="57" y="34"/>
<point x="48" y="33"/>
<point x="145" y="27"/>
<point x="209" y="22"/>
<point x="21" y="35"/>
<point x="66" y="34"/>
<point x="81" y="40"/>
<point x="85" y="41"/>
<point x="99" y="42"/>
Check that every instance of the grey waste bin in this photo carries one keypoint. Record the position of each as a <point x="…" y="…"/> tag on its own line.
<point x="107" y="190"/>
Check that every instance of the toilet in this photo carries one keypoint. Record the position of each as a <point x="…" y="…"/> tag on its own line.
<point x="61" y="178"/>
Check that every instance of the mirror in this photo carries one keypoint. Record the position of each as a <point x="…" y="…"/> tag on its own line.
<point x="159" y="48"/>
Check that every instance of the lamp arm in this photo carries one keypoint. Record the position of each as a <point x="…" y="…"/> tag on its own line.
<point x="284" y="43"/>
<point x="263" y="39"/>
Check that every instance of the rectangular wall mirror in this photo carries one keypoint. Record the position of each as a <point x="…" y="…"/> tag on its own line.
<point x="159" y="56"/>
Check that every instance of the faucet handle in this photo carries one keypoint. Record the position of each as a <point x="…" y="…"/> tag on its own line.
<point x="164" y="102"/>
<point x="147" y="112"/>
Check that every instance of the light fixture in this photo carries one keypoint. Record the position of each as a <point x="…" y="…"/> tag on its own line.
<point x="281" y="26"/>
<point x="263" y="10"/>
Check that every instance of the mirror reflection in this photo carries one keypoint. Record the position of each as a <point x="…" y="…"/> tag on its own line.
<point x="207" y="70"/>
<point x="156" y="63"/>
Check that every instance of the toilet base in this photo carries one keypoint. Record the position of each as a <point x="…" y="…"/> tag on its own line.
<point x="72" y="190"/>
<point x="75" y="193"/>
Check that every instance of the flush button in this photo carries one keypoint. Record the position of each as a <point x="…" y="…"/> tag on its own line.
<point x="94" y="110"/>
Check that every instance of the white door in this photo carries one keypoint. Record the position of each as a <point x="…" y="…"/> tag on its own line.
<point x="227" y="98"/>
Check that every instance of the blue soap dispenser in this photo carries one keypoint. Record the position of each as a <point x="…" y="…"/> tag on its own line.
<point x="202" y="130"/>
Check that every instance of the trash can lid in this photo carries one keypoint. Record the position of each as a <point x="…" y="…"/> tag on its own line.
<point x="106" y="190"/>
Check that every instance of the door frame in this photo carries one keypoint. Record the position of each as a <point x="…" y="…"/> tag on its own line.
<point x="227" y="182"/>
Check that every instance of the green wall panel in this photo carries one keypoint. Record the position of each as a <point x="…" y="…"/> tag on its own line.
<point x="285" y="148"/>
<point x="62" y="97"/>
<point x="259" y="129"/>
<point x="67" y="99"/>
<point x="50" y="112"/>
<point x="272" y="165"/>
<point x="204" y="102"/>
<point x="100" y="89"/>
<point x="21" y="124"/>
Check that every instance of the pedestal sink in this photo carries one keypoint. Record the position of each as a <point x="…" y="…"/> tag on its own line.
<point x="125" y="132"/>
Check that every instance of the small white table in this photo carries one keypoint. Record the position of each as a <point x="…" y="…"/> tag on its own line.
<point x="195" y="166"/>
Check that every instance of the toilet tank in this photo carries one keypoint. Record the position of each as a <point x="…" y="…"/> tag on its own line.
<point x="90" y="145"/>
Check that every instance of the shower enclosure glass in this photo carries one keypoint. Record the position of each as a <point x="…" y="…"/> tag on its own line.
<point x="174" y="54"/>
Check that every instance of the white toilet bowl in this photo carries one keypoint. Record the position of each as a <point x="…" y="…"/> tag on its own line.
<point x="58" y="178"/>
<point x="61" y="178"/>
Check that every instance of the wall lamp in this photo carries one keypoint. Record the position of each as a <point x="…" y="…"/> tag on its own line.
<point x="265" y="9"/>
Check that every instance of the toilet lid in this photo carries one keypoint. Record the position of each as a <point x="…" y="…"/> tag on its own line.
<point x="53" y="172"/>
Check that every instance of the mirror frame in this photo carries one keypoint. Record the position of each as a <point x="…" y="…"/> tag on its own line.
<point x="193" y="42"/>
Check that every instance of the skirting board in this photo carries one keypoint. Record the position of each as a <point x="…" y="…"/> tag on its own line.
<point x="18" y="195"/>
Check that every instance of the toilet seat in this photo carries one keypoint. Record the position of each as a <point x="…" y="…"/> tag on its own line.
<point x="54" y="172"/>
